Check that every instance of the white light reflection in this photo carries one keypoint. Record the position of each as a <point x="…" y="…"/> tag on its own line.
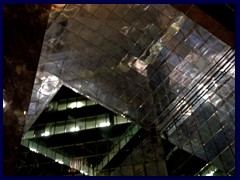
<point x="104" y="124"/>
<point x="74" y="129"/>
<point x="47" y="133"/>
<point x="210" y="174"/>
<point x="33" y="150"/>
<point x="123" y="116"/>
<point x="59" y="161"/>
<point x="43" y="78"/>
<point x="200" y="86"/>
<point x="4" y="104"/>
<point x="140" y="67"/>
<point x="83" y="172"/>
<point x="76" y="105"/>
<point x="206" y="97"/>
<point x="48" y="84"/>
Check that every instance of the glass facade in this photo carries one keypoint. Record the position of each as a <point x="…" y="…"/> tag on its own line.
<point x="149" y="63"/>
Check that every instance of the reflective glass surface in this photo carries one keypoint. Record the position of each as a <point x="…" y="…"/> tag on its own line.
<point x="150" y="63"/>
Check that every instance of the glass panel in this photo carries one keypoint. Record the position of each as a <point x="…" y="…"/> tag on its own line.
<point x="228" y="160"/>
<point x="70" y="126"/>
<point x="90" y="122"/>
<point x="72" y="103"/>
<point x="62" y="105"/>
<point x="29" y="134"/>
<point x="60" y="128"/>
<point x="103" y="121"/>
<point x="81" y="104"/>
<point x="90" y="102"/>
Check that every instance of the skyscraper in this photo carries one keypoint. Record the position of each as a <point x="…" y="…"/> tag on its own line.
<point x="152" y="64"/>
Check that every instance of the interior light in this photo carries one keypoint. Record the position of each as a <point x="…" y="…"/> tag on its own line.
<point x="80" y="104"/>
<point x="72" y="105"/>
<point x="74" y="129"/>
<point x="34" y="150"/>
<point x="59" y="161"/>
<point x="104" y="124"/>
<point x="47" y="133"/>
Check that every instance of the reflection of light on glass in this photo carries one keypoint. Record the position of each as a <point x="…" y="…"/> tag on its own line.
<point x="74" y="129"/>
<point x="43" y="78"/>
<point x="46" y="86"/>
<point x="104" y="124"/>
<point x="54" y="6"/>
<point x="45" y="89"/>
<point x="4" y="104"/>
<point x="59" y="161"/>
<point x="75" y="90"/>
<point x="206" y="96"/>
<point x="47" y="133"/>
<point x="83" y="172"/>
<point x="140" y="66"/>
<point x="72" y="105"/>
<point x="176" y="26"/>
<point x="25" y="112"/>
<point x="186" y="113"/>
<point x="80" y="104"/>
<point x="200" y="86"/>
<point x="210" y="173"/>
<point x="216" y="101"/>
<point x="33" y="150"/>
<point x="122" y="115"/>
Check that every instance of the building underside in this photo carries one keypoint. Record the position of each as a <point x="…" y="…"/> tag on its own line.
<point x="120" y="89"/>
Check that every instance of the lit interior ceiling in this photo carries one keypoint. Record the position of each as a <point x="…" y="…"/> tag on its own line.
<point x="148" y="62"/>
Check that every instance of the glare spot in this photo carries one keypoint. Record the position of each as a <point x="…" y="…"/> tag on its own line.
<point x="74" y="129"/>
<point x="59" y="161"/>
<point x="83" y="172"/>
<point x="47" y="133"/>
<point x="104" y="124"/>
<point x="210" y="173"/>
<point x="4" y="104"/>
<point x="33" y="150"/>
<point x="43" y="78"/>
